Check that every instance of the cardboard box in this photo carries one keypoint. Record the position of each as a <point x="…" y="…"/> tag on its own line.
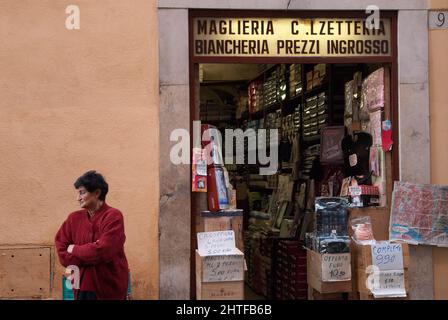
<point x="367" y="296"/>
<point x="320" y="276"/>
<point x="220" y="267"/>
<point x="313" y="294"/>
<point x="207" y="221"/>
<point x="309" y="80"/>
<point x="317" y="80"/>
<point x="379" y="218"/>
<point x="362" y="257"/>
<point x="362" y="276"/>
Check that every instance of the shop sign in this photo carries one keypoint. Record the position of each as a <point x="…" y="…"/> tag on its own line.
<point x="289" y="37"/>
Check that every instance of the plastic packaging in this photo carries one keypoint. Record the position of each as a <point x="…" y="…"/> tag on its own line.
<point x="331" y="214"/>
<point x="362" y="231"/>
<point x="334" y="244"/>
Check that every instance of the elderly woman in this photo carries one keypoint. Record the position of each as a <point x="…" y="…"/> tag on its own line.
<point x="92" y="239"/>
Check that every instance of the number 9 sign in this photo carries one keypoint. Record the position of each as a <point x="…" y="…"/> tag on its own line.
<point x="438" y="19"/>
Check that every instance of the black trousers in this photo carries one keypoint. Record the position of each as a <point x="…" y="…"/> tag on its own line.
<point x="86" y="295"/>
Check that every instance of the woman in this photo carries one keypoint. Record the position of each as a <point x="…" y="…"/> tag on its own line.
<point x="92" y="240"/>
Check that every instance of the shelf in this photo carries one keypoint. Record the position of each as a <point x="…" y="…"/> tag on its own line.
<point x="322" y="87"/>
<point x="258" y="188"/>
<point x="267" y="70"/>
<point x="310" y="140"/>
<point x="261" y="113"/>
<point x="256" y="115"/>
<point x="274" y="107"/>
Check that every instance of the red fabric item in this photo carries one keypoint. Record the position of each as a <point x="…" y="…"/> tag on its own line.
<point x="386" y="136"/>
<point x="369" y="190"/>
<point x="98" y="251"/>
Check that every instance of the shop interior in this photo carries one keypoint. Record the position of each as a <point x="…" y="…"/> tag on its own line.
<point x="331" y="150"/>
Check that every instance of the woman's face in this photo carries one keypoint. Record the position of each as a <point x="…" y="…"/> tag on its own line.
<point x="86" y="199"/>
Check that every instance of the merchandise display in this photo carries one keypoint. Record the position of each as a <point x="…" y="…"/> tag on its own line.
<point x="362" y="230"/>
<point x="331" y="152"/>
<point x="357" y="153"/>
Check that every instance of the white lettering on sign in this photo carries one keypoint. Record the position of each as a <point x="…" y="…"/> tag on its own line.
<point x="438" y="19"/>
<point x="388" y="256"/>
<point x="216" y="243"/>
<point x="336" y="267"/>
<point x="223" y="268"/>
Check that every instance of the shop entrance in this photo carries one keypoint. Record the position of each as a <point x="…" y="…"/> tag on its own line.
<point x="325" y="114"/>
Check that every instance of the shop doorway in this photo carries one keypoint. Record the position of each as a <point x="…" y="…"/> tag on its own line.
<point x="304" y="99"/>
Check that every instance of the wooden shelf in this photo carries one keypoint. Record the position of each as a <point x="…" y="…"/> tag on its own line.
<point x="321" y="88"/>
<point x="261" y="113"/>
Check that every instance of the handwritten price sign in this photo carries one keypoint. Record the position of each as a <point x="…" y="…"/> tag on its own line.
<point x="223" y="268"/>
<point x="388" y="256"/>
<point x="336" y="267"/>
<point x="217" y="242"/>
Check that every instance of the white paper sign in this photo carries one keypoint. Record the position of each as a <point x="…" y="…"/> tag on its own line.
<point x="355" y="191"/>
<point x="223" y="268"/>
<point x="336" y="267"/>
<point x="388" y="284"/>
<point x="387" y="279"/>
<point x="388" y="256"/>
<point x="216" y="243"/>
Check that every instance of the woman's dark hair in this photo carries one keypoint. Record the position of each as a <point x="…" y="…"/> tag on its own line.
<point x="92" y="181"/>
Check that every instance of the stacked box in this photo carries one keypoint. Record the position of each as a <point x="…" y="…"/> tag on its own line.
<point x="268" y="245"/>
<point x="295" y="80"/>
<point x="270" y="90"/>
<point x="281" y="82"/>
<point x="316" y="276"/>
<point x="362" y="258"/>
<point x="309" y="80"/>
<point x="316" y="77"/>
<point x="273" y="121"/>
<point x="315" y="116"/>
<point x="207" y="221"/>
<point x="254" y="96"/>
<point x="219" y="267"/>
<point x="291" y="271"/>
<point x="296" y="119"/>
<point x="251" y="243"/>
<point x="319" y="74"/>
<point x="212" y="289"/>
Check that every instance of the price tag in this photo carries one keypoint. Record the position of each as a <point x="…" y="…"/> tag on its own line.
<point x="223" y="268"/>
<point x="216" y="243"/>
<point x="355" y="191"/>
<point x="336" y="267"/>
<point x="199" y="161"/>
<point x="388" y="256"/>
<point x="387" y="284"/>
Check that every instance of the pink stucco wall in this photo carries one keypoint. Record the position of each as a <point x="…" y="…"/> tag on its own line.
<point x="77" y="100"/>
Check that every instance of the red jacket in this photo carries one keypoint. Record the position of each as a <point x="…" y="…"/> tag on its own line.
<point x="98" y="251"/>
